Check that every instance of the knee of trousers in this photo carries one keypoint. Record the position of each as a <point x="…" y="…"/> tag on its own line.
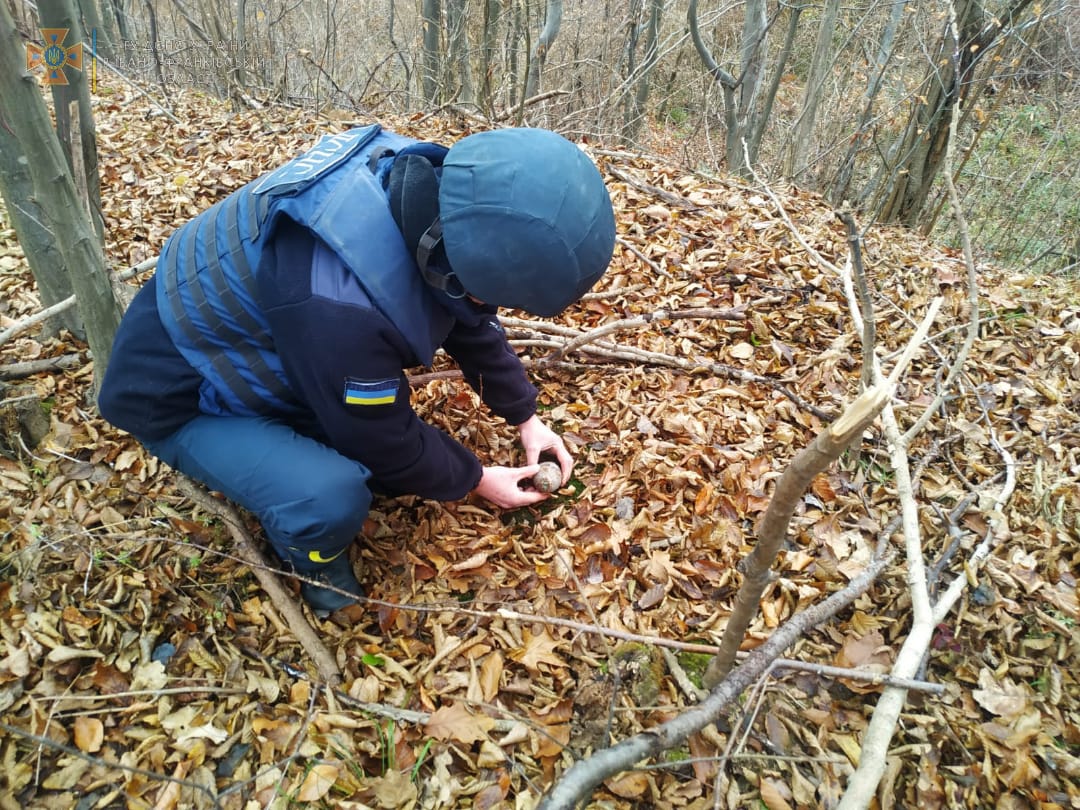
<point x="324" y="519"/>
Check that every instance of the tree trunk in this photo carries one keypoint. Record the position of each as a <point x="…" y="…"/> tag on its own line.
<point x="94" y="27"/>
<point x="431" y="14"/>
<point x="405" y="65"/>
<point x="803" y="134"/>
<point x="635" y="108"/>
<point x="488" y="55"/>
<point x="920" y="152"/>
<point x="755" y="130"/>
<point x="159" y="73"/>
<point x="25" y="130"/>
<point x="76" y="89"/>
<point x="115" y="9"/>
<point x="883" y="56"/>
<point x="37" y="240"/>
<point x="552" y="23"/>
<point x="519" y="32"/>
<point x="732" y="146"/>
<point x="458" y="37"/>
<point x="239" y="48"/>
<point x="752" y="56"/>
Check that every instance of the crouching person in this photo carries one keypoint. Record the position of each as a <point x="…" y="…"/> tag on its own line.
<point x="266" y="356"/>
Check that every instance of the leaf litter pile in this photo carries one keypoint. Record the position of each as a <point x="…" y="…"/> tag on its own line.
<point x="142" y="665"/>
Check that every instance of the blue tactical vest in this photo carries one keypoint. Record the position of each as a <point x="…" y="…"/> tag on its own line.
<point x="206" y="292"/>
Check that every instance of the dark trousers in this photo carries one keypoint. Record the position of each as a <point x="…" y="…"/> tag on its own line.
<point x="311" y="500"/>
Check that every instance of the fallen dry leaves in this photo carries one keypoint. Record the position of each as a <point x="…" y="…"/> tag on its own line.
<point x="141" y="666"/>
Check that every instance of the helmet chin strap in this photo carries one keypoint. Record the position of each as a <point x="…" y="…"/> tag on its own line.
<point x="446" y="282"/>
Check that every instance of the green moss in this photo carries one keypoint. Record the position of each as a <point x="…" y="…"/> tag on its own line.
<point x="694" y="665"/>
<point x="676" y="755"/>
<point x="641" y="668"/>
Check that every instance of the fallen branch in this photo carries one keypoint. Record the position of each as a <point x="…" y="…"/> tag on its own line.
<point x="581" y="779"/>
<point x="324" y="661"/>
<point x="33" y="320"/>
<point x="649" y="262"/>
<point x="68" y="303"/>
<point x="757" y="567"/>
<point x="632" y="354"/>
<point x="667" y="196"/>
<point x="17" y="371"/>
<point x="593" y="335"/>
<point x="926" y="614"/>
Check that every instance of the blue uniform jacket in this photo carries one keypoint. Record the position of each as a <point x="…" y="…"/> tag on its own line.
<point x="341" y="356"/>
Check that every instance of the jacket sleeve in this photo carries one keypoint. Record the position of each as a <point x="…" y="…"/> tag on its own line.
<point x="492" y="368"/>
<point x="346" y="361"/>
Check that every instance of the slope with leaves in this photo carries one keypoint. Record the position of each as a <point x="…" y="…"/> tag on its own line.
<point x="141" y="665"/>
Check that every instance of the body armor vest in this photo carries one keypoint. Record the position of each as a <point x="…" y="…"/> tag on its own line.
<point x="207" y="293"/>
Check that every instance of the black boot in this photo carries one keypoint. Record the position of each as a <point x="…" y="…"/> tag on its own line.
<point x="338" y="573"/>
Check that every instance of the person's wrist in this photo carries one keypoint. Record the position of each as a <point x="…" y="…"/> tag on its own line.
<point x="532" y="418"/>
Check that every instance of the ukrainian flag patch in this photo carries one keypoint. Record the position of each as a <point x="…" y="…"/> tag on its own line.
<point x="370" y="392"/>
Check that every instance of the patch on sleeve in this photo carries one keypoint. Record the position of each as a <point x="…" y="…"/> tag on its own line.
<point x="370" y="392"/>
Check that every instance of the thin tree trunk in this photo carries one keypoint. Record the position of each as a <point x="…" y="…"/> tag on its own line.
<point x="26" y="131"/>
<point x="520" y="31"/>
<point x="431" y="16"/>
<point x="116" y="20"/>
<point x="155" y="54"/>
<point x="760" y="120"/>
<point x="921" y="151"/>
<point x="37" y="239"/>
<point x="94" y="27"/>
<point x="752" y="57"/>
<point x="883" y="56"/>
<point x="552" y="23"/>
<point x="458" y="38"/>
<point x="405" y="67"/>
<point x="237" y="52"/>
<point x="635" y="112"/>
<point x="815" y="86"/>
<point x="62" y="14"/>
<point x="488" y="53"/>
<point x="733" y="143"/>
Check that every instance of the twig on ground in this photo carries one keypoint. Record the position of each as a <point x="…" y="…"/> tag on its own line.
<point x="593" y="335"/>
<point x="67" y="303"/>
<point x="324" y="661"/>
<point x="684" y="683"/>
<point x="669" y="197"/>
<point x="625" y="354"/>
<point x="581" y="779"/>
<point x="17" y="371"/>
<point x="648" y="262"/>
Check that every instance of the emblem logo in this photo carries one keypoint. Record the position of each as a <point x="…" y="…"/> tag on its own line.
<point x="54" y="55"/>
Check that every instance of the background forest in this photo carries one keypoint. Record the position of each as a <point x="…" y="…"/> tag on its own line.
<point x="851" y="100"/>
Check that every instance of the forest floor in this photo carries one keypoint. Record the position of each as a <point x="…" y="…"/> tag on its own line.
<point x="142" y="665"/>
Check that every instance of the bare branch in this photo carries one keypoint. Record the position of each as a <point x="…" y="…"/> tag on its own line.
<point x="579" y="782"/>
<point x="17" y="371"/>
<point x="67" y="303"/>
<point x="879" y="732"/>
<point x="324" y="660"/>
<point x="824" y="450"/>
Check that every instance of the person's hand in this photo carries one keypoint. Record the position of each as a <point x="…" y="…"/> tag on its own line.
<point x="536" y="438"/>
<point x="502" y="486"/>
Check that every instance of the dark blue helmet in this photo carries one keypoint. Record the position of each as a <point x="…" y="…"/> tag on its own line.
<point x="527" y="222"/>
